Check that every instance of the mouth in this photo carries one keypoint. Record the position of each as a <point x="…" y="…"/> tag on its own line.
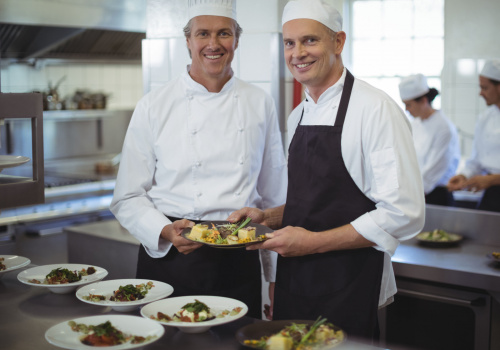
<point x="302" y="66"/>
<point x="213" y="57"/>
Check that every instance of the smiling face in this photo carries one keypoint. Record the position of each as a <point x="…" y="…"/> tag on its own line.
<point x="212" y="44"/>
<point x="489" y="91"/>
<point x="312" y="54"/>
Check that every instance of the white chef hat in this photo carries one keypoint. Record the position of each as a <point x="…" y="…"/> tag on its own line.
<point x="223" y="8"/>
<point x="491" y="70"/>
<point x="322" y="11"/>
<point x="413" y="87"/>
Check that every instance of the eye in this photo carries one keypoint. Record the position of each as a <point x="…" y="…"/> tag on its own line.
<point x="311" y="40"/>
<point x="288" y="44"/>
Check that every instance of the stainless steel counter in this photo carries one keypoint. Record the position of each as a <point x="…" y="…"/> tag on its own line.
<point x="27" y="312"/>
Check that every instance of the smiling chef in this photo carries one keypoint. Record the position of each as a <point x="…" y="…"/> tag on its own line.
<point x="196" y="149"/>
<point x="354" y="186"/>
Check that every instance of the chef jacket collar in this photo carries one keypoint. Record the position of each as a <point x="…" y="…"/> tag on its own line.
<point x="195" y="87"/>
<point x="329" y="93"/>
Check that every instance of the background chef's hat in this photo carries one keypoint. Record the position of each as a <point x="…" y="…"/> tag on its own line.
<point x="224" y="8"/>
<point x="322" y="11"/>
<point x="413" y="87"/>
<point x="491" y="70"/>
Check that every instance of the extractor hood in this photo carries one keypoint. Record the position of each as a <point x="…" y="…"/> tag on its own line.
<point x="71" y="29"/>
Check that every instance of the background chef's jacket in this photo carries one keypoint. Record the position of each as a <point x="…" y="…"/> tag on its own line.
<point x="190" y="153"/>
<point x="438" y="149"/>
<point x="378" y="152"/>
<point x="485" y="155"/>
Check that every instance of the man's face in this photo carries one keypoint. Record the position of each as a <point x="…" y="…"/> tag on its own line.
<point x="212" y="44"/>
<point x="489" y="91"/>
<point x="310" y="52"/>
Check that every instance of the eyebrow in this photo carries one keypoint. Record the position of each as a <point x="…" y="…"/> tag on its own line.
<point x="305" y="37"/>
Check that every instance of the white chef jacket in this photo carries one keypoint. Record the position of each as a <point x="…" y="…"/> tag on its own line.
<point x="191" y="153"/>
<point x="378" y="152"/>
<point x="438" y="149"/>
<point x="485" y="155"/>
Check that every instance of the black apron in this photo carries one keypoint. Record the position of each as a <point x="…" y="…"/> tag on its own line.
<point x="343" y="286"/>
<point x="440" y="196"/>
<point x="490" y="200"/>
<point x="232" y="273"/>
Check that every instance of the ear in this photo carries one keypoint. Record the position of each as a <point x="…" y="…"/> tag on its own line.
<point x="340" y="39"/>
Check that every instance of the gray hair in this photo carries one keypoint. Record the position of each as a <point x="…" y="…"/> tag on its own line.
<point x="189" y="25"/>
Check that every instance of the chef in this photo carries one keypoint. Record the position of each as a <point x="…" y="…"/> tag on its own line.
<point x="482" y="169"/>
<point x="354" y="187"/>
<point x="198" y="148"/>
<point x="435" y="138"/>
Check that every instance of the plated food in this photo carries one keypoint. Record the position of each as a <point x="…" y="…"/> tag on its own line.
<point x="194" y="314"/>
<point x="111" y="331"/>
<point x="438" y="238"/>
<point x="124" y="294"/>
<point x="12" y="262"/>
<point x="224" y="234"/>
<point x="62" y="278"/>
<point x="291" y="335"/>
<point x="495" y="256"/>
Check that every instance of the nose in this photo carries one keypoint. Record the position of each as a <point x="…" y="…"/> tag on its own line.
<point x="213" y="43"/>
<point x="299" y="51"/>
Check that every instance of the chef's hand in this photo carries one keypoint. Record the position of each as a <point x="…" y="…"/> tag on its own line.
<point x="289" y="241"/>
<point x="268" y="309"/>
<point x="172" y="233"/>
<point x="255" y="214"/>
<point x="456" y="183"/>
<point x="479" y="182"/>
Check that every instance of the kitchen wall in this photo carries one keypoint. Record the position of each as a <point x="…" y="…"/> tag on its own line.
<point x="123" y="82"/>
<point x="471" y="37"/>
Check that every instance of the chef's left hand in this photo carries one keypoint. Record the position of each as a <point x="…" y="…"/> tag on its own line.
<point x="289" y="241"/>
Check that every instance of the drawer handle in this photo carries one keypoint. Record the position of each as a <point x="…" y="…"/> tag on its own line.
<point x="433" y="297"/>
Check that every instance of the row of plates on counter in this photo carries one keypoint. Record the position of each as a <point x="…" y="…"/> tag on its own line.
<point x="63" y="336"/>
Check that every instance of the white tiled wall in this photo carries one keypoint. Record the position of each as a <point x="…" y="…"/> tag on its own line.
<point x="123" y="82"/>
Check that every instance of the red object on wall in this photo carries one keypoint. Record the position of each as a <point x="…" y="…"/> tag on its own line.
<point x="297" y="93"/>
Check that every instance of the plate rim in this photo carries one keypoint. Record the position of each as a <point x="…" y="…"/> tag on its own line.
<point x="66" y="285"/>
<point x="20" y="160"/>
<point x="21" y="265"/>
<point x="160" y="330"/>
<point x="211" y="323"/>
<point x="187" y="230"/>
<point x="427" y="242"/>
<point x="110" y="303"/>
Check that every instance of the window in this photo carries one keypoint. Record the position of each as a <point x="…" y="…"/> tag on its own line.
<point x="391" y="39"/>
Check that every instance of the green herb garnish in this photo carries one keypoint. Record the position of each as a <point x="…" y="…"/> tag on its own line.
<point x="247" y="220"/>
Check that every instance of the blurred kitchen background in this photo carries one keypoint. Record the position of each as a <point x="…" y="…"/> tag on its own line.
<point x="92" y="60"/>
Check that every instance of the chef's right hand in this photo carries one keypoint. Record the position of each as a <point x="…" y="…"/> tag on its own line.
<point x="172" y="233"/>
<point x="456" y="183"/>
<point x="255" y="214"/>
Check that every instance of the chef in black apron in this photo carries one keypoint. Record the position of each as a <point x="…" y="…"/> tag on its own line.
<point x="326" y="267"/>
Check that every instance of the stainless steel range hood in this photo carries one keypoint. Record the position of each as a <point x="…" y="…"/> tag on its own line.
<point x="72" y="29"/>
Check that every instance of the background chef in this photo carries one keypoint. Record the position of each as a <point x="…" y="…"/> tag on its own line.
<point x="482" y="169"/>
<point x="435" y="138"/>
<point x="200" y="147"/>
<point x="354" y="187"/>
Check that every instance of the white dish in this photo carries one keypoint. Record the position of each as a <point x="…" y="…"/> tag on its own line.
<point x="12" y="161"/>
<point x="61" y="334"/>
<point x="216" y="304"/>
<point x="40" y="272"/>
<point x="13" y="262"/>
<point x="106" y="288"/>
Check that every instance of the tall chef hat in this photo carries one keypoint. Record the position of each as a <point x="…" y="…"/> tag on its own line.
<point x="322" y="11"/>
<point x="491" y="70"/>
<point x="413" y="87"/>
<point x="223" y="8"/>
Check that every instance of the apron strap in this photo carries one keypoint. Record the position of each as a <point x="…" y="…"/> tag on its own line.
<point x="344" y="100"/>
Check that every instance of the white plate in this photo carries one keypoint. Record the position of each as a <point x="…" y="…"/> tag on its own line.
<point x="40" y="272"/>
<point x="216" y="304"/>
<point x="106" y="288"/>
<point x="12" y="161"/>
<point x="13" y="262"/>
<point x="61" y="334"/>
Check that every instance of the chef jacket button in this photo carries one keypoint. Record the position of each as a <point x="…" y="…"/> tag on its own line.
<point x="240" y="129"/>
<point x="237" y="193"/>
<point x="190" y="97"/>
<point x="198" y="164"/>
<point x="199" y="194"/>
<point x="235" y="95"/>
<point x="194" y="132"/>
